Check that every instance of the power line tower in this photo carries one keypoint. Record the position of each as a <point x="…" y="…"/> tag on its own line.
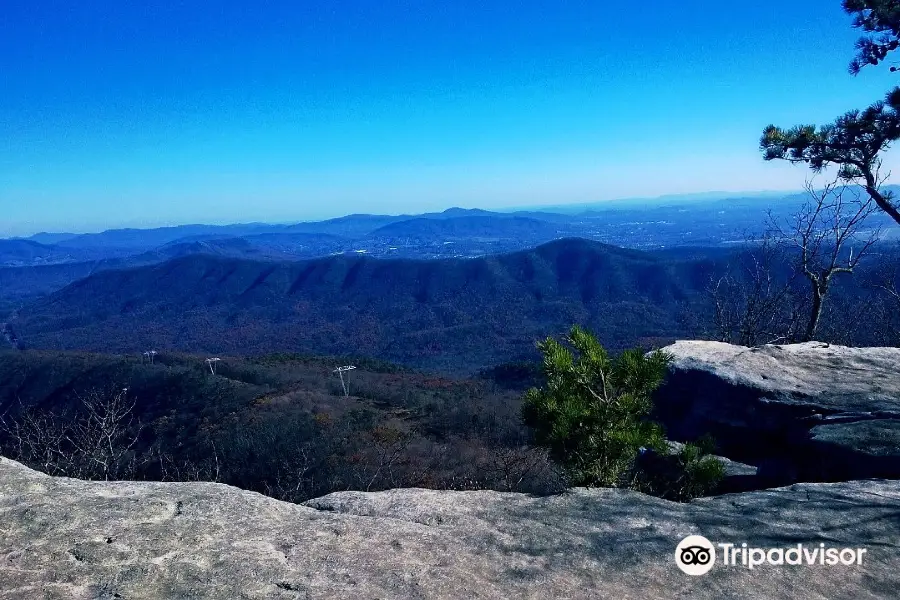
<point x="345" y="383"/>
<point x="212" y="362"/>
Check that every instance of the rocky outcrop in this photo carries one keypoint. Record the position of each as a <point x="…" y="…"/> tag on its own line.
<point x="64" y="538"/>
<point x="807" y="412"/>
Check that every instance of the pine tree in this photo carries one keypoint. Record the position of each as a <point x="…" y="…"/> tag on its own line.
<point x="853" y="143"/>
<point x="593" y="418"/>
<point x="880" y="19"/>
<point x="591" y="415"/>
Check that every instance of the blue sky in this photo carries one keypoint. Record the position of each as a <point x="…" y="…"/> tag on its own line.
<point x="117" y="113"/>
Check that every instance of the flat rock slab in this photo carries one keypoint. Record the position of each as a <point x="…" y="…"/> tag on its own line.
<point x="64" y="538"/>
<point x="834" y="378"/>
<point x="813" y="409"/>
<point x="876" y="438"/>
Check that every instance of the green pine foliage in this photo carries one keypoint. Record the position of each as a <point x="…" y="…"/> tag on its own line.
<point x="592" y="417"/>
<point x="880" y="19"/>
<point x="854" y="144"/>
<point x="855" y="141"/>
<point x="680" y="475"/>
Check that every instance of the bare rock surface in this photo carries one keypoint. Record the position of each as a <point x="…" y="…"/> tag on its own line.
<point x="808" y="411"/>
<point x="64" y="538"/>
<point x="835" y="378"/>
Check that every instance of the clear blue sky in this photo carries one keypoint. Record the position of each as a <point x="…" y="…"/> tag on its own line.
<point x="124" y="113"/>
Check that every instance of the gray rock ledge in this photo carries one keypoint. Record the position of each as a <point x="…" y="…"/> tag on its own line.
<point x="800" y="412"/>
<point x="69" y="539"/>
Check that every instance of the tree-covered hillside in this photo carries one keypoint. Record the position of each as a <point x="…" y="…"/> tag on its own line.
<point x="457" y="315"/>
<point x="279" y="424"/>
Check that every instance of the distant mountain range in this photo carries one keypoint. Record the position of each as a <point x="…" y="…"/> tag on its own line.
<point x="377" y="233"/>
<point x="354" y="225"/>
<point x="30" y="268"/>
<point x="491" y="226"/>
<point x="693" y="200"/>
<point x="19" y="252"/>
<point x="359" y="225"/>
<point x="450" y="314"/>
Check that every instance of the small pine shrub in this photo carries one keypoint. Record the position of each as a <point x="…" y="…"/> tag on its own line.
<point x="592" y="417"/>
<point x="680" y="475"/>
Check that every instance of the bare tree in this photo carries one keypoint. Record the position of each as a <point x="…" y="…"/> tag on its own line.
<point x="754" y="301"/>
<point x="762" y="297"/>
<point x="37" y="439"/>
<point x="884" y="306"/>
<point x="825" y="231"/>
<point x="104" y="434"/>
<point x="389" y="444"/>
<point x="94" y="443"/>
<point x="507" y="468"/>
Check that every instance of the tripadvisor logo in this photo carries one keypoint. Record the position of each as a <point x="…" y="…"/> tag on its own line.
<point x="696" y="555"/>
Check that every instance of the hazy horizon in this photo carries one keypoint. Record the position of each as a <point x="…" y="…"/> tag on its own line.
<point x="573" y="208"/>
<point x="115" y="116"/>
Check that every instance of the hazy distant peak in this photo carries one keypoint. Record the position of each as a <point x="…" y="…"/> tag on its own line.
<point x="456" y="211"/>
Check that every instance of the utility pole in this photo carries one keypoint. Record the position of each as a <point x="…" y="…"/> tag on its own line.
<point x="212" y="362"/>
<point x="345" y="383"/>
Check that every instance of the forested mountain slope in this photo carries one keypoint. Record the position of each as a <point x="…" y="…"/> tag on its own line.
<point x="456" y="314"/>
